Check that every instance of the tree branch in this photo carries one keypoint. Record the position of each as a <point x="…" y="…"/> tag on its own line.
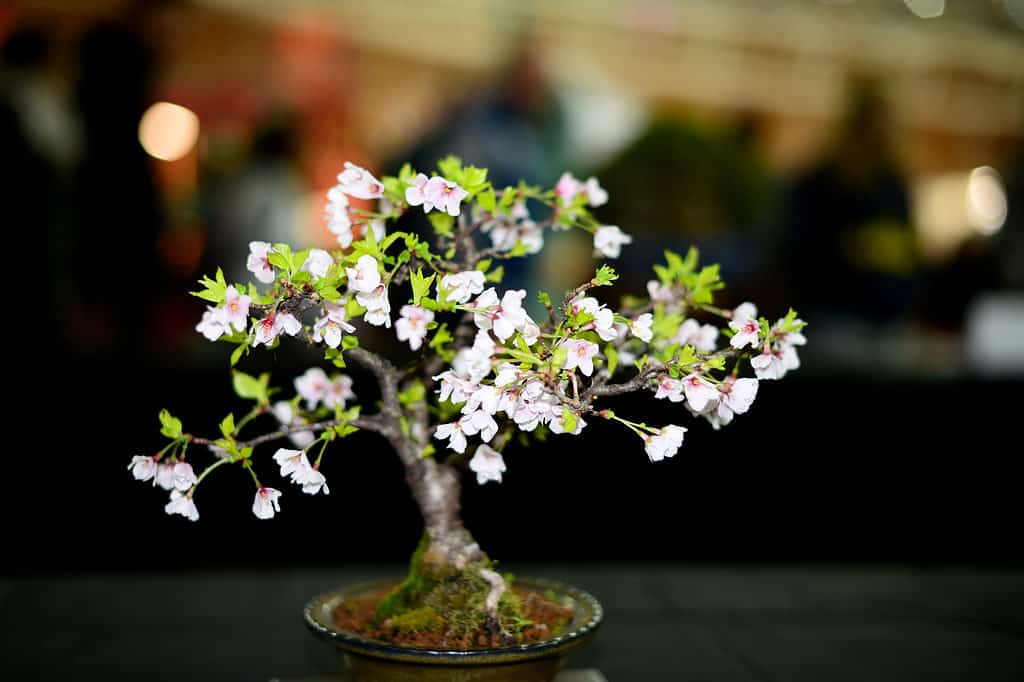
<point x="369" y="423"/>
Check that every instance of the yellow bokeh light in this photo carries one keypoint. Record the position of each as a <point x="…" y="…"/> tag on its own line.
<point x="168" y="131"/>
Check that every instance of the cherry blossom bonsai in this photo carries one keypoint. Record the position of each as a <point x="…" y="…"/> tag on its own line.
<point x="485" y="370"/>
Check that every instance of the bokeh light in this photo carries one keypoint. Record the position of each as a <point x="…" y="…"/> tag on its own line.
<point x="168" y="131"/>
<point x="926" y="9"/>
<point x="986" y="200"/>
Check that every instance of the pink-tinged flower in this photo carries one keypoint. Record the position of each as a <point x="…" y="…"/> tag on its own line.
<point x="487" y="464"/>
<point x="318" y="262"/>
<point x="454" y="388"/>
<point x="184" y="477"/>
<point x="364" y="277"/>
<point x="604" y="319"/>
<point x="484" y="398"/>
<point x="530" y="331"/>
<point x="454" y="434"/>
<point x="183" y="505"/>
<point x="519" y="211"/>
<point x="165" y="475"/>
<point x="359" y="183"/>
<point x="271" y="326"/>
<point x="664" y="444"/>
<point x="608" y="240"/>
<point x="669" y="388"/>
<point x="412" y="326"/>
<point x="702" y="337"/>
<point x="660" y="292"/>
<point x="745" y="311"/>
<point x="258" y="262"/>
<point x="312" y="385"/>
<point x="773" y="364"/>
<point x="143" y="467"/>
<point x="596" y="196"/>
<point x="266" y="504"/>
<point x="339" y="223"/>
<point x="506" y="235"/>
<point x="461" y="286"/>
<point x="338" y="391"/>
<point x="505" y="317"/>
<point x="479" y="422"/>
<point x="735" y="396"/>
<point x="557" y="423"/>
<point x="641" y="327"/>
<point x="311" y="480"/>
<point x="444" y="194"/>
<point x="236" y="308"/>
<point x="378" y="306"/>
<point x="287" y="417"/>
<point x="416" y="193"/>
<point x="213" y="324"/>
<point x="507" y="374"/>
<point x="567" y="188"/>
<point x="331" y="326"/>
<point x="789" y="338"/>
<point x="581" y="355"/>
<point x="700" y="393"/>
<point x="746" y="333"/>
<point x="291" y="461"/>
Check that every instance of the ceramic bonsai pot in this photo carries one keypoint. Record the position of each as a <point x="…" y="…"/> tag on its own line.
<point x="375" y="661"/>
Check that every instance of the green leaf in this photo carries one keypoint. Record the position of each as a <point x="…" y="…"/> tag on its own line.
<point x="227" y="426"/>
<point x="420" y="285"/>
<point x="169" y="426"/>
<point x="665" y="325"/>
<point x="441" y="337"/>
<point x="236" y="355"/>
<point x="442" y="223"/>
<point x="487" y="200"/>
<point x="353" y="309"/>
<point x="544" y="299"/>
<point x="518" y="251"/>
<point x="568" y="420"/>
<point x="451" y="168"/>
<point x="483" y="265"/>
<point x="251" y="388"/>
<point x="558" y="357"/>
<point x="335" y="355"/>
<point x="605" y="275"/>
<point x="414" y="393"/>
<point x="348" y="342"/>
<point x="330" y="294"/>
<point x="496" y="274"/>
<point x="278" y="261"/>
<point x="612" y="356"/>
<point x="213" y="289"/>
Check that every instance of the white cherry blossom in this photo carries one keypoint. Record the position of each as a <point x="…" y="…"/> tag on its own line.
<point x="608" y="240"/>
<point x="359" y="183"/>
<point x="488" y="464"/>
<point x="660" y="292"/>
<point x="339" y="389"/>
<point x="258" y="262"/>
<point x="318" y="262"/>
<point x="291" y="461"/>
<point x="479" y="422"/>
<point x="580" y="355"/>
<point x="416" y="193"/>
<point x="332" y="326"/>
<point x="412" y="326"/>
<point x="664" y="444"/>
<point x="444" y="194"/>
<point x="266" y="503"/>
<point x="461" y="286"/>
<point x="143" y="467"/>
<point x="530" y="331"/>
<point x="312" y="386"/>
<point x="271" y="326"/>
<point x="165" y="475"/>
<point x="505" y="235"/>
<point x="746" y="333"/>
<point x="567" y="188"/>
<point x="773" y="364"/>
<point x="703" y="337"/>
<point x="184" y="477"/>
<point x="557" y="423"/>
<point x="378" y="306"/>
<point x="745" y="311"/>
<point x="641" y="327"/>
<point x="213" y="325"/>
<point x="503" y="317"/>
<point x="365" y="276"/>
<point x="454" y="434"/>
<point x="596" y="195"/>
<point x="669" y="388"/>
<point x="236" y="308"/>
<point x="183" y="505"/>
<point x="311" y="480"/>
<point x="700" y="394"/>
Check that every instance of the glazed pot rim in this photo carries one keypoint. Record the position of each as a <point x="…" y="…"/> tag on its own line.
<point x="318" y="616"/>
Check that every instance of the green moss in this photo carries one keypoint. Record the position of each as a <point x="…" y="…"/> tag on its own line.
<point x="417" y="620"/>
<point x="430" y="598"/>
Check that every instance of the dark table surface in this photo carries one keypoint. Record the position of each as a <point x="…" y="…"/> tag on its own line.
<point x="663" y="622"/>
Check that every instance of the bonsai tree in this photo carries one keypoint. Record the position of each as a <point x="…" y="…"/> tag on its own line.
<point x="485" y="370"/>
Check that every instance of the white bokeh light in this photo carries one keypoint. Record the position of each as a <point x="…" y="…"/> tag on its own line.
<point x="986" y="200"/>
<point x="926" y="9"/>
<point x="168" y="131"/>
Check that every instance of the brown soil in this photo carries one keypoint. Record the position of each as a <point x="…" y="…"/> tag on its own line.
<point x="548" y="620"/>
